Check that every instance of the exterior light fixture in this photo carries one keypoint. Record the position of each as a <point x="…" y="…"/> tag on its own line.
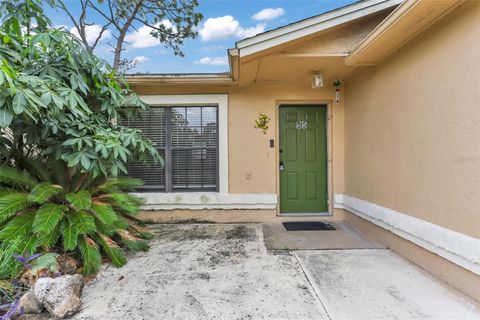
<point x="337" y="84"/>
<point x="317" y="80"/>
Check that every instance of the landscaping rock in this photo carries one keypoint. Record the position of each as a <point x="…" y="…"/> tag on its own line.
<point x="60" y="296"/>
<point x="29" y="303"/>
<point x="67" y="265"/>
<point x="39" y="316"/>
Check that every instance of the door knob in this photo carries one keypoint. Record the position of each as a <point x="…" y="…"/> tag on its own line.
<point x="281" y="166"/>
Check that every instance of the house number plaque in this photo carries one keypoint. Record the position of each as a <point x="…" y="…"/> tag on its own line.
<point x="302" y="125"/>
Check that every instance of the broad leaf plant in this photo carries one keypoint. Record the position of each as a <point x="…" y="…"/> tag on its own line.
<point x="62" y="149"/>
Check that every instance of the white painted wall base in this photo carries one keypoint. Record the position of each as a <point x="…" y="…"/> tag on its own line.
<point x="207" y="200"/>
<point x="460" y="249"/>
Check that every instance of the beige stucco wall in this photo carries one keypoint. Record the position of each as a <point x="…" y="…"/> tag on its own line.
<point x="280" y="76"/>
<point x="253" y="165"/>
<point x="412" y="126"/>
<point x="250" y="154"/>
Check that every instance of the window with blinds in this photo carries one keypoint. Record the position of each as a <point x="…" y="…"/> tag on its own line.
<point x="187" y="139"/>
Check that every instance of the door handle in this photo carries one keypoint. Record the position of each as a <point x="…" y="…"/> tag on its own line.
<point x="281" y="166"/>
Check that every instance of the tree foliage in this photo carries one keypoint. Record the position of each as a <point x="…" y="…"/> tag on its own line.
<point x="58" y="102"/>
<point x="170" y="21"/>
<point x="61" y="151"/>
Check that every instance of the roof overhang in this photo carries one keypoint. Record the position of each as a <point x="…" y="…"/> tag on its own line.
<point x="404" y="23"/>
<point x="409" y="18"/>
<point x="220" y="79"/>
<point x="310" y="26"/>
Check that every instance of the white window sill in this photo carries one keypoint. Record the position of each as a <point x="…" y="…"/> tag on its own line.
<point x="206" y="200"/>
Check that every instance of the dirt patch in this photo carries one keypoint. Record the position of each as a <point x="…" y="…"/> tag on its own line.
<point x="242" y="233"/>
<point x="171" y="232"/>
<point x="176" y="221"/>
<point x="200" y="275"/>
<point x="191" y="221"/>
<point x="197" y="233"/>
<point x="228" y="253"/>
<point x="175" y="232"/>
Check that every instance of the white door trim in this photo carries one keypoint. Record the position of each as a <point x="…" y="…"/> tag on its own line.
<point x="329" y="134"/>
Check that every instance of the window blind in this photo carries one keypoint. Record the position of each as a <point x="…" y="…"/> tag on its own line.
<point x="187" y="139"/>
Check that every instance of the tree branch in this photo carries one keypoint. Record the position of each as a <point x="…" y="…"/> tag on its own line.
<point x="104" y="28"/>
<point x="110" y="19"/>
<point x="121" y="36"/>
<point x="62" y="6"/>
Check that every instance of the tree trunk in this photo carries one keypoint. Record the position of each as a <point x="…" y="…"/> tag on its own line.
<point x="121" y="37"/>
<point x="118" y="49"/>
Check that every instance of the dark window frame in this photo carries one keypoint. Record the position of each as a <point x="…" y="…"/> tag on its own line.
<point x="168" y="150"/>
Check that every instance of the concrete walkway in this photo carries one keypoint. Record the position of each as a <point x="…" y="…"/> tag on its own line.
<point x="225" y="272"/>
<point x="343" y="237"/>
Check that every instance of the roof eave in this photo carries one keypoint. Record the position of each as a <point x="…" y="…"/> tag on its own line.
<point x="313" y="25"/>
<point x="172" y="80"/>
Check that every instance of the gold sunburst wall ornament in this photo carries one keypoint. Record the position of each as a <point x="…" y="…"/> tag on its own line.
<point x="262" y="122"/>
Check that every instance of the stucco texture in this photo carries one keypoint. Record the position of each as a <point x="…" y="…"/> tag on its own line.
<point x="412" y="124"/>
<point x="253" y="164"/>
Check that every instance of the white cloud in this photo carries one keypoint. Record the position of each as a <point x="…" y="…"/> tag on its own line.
<point x="142" y="37"/>
<point x="219" y="28"/>
<point x="92" y="32"/>
<point x="250" y="32"/>
<point x="222" y="28"/>
<point x="268" y="14"/>
<point x="134" y="62"/>
<point x="140" y="59"/>
<point x="213" y="61"/>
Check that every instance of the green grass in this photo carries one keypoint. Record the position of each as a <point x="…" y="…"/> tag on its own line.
<point x="9" y="267"/>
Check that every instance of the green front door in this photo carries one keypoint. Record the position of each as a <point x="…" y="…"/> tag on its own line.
<point x="303" y="159"/>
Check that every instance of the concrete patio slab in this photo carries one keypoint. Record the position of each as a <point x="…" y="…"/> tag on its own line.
<point x="379" y="284"/>
<point x="204" y="271"/>
<point x="343" y="237"/>
<point x="215" y="271"/>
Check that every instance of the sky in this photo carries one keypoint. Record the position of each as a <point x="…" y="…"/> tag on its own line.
<point x="224" y="23"/>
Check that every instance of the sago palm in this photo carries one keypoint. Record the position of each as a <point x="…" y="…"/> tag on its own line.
<point x="96" y="220"/>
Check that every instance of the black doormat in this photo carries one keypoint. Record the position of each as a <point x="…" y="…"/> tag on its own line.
<point x="307" y="226"/>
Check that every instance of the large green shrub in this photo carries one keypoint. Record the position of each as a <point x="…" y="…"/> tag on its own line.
<point x="97" y="216"/>
<point x="60" y="147"/>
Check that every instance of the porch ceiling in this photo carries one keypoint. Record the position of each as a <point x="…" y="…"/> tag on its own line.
<point x="294" y="68"/>
<point x="297" y="60"/>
